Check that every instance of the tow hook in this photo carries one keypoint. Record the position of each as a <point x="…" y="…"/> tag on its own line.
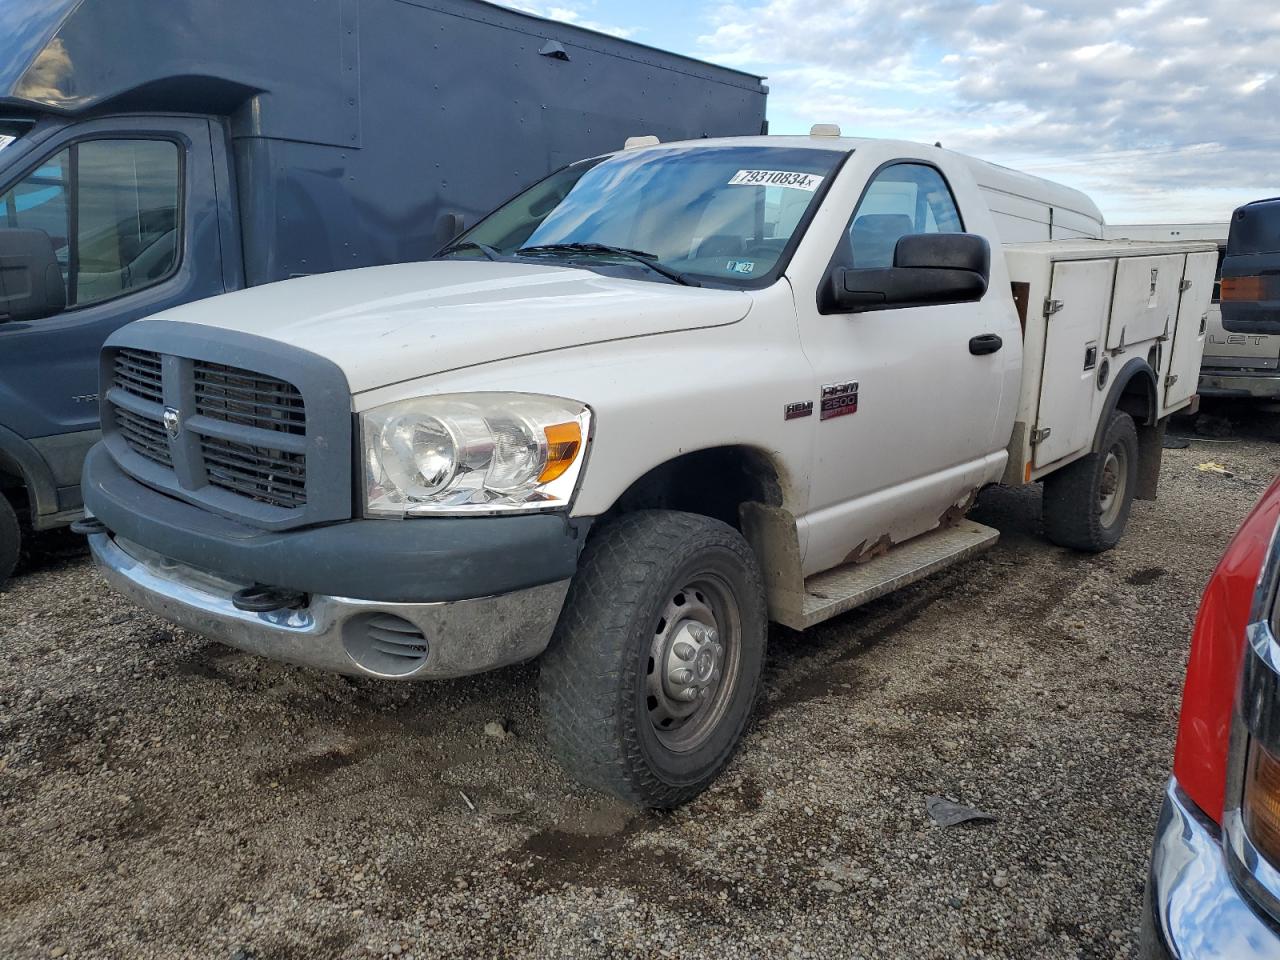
<point x="260" y="598"/>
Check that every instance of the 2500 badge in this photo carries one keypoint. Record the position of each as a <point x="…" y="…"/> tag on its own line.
<point x="839" y="400"/>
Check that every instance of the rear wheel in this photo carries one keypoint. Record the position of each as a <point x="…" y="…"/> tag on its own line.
<point x="1087" y="503"/>
<point x="10" y="538"/>
<point x="655" y="669"/>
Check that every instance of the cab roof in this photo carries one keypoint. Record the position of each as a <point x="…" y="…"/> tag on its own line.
<point x="989" y="176"/>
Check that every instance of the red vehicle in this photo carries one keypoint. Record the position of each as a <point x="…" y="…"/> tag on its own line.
<point x="1214" y="886"/>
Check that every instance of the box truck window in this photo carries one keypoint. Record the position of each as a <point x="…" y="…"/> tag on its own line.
<point x="110" y="207"/>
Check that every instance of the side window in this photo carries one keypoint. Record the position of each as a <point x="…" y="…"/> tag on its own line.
<point x="111" y="209"/>
<point x="903" y="199"/>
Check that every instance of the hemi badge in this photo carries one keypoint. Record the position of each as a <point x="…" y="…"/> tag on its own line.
<point x="839" y="399"/>
<point x="794" y="411"/>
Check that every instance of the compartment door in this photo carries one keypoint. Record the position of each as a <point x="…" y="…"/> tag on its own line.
<point x="1072" y="351"/>
<point x="1146" y="299"/>
<point x="1188" y="339"/>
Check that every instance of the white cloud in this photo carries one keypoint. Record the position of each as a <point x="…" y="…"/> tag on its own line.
<point x="1162" y="109"/>
<point x="569" y="13"/>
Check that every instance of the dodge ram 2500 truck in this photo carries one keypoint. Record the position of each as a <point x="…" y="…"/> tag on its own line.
<point x="655" y="401"/>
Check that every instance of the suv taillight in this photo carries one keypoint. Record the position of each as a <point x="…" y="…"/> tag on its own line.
<point x="1217" y="646"/>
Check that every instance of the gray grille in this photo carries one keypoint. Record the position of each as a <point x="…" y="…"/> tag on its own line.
<point x="250" y="427"/>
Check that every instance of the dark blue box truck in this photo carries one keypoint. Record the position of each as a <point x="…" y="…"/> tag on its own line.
<point x="154" y="152"/>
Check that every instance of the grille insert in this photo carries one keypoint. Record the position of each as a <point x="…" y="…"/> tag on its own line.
<point x="144" y="436"/>
<point x="261" y="473"/>
<point x="138" y="372"/>
<point x="250" y="399"/>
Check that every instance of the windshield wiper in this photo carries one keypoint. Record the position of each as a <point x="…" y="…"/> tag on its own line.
<point x="639" y="256"/>
<point x="484" y="248"/>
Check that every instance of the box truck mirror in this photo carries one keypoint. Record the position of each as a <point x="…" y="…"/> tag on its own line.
<point x="929" y="268"/>
<point x="31" y="284"/>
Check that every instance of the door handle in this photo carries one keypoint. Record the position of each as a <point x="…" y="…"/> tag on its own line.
<point x="985" y="343"/>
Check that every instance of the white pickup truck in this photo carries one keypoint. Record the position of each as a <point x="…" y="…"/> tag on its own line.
<point x="652" y="403"/>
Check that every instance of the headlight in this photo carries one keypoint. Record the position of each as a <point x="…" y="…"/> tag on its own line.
<point x="472" y="452"/>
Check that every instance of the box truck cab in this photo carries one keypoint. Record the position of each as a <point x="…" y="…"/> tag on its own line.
<point x="153" y="154"/>
<point x="657" y="400"/>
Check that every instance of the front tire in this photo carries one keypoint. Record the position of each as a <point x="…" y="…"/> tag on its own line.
<point x="1086" y="504"/>
<point x="10" y="539"/>
<point x="655" y="668"/>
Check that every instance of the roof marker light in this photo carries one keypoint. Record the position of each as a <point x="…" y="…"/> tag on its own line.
<point x="825" y="130"/>
<point x="635" y="143"/>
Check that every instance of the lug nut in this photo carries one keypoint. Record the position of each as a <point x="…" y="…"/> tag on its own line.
<point x="681" y="675"/>
<point x="684" y="650"/>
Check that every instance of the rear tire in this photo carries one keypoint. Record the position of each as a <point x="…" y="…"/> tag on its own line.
<point x="10" y="539"/>
<point x="1087" y="503"/>
<point x="655" y="668"/>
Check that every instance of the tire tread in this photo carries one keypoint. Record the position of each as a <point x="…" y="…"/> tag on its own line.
<point x="583" y="681"/>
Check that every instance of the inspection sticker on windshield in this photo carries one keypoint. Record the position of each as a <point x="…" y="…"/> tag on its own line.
<point x="6" y="140"/>
<point x="776" y="178"/>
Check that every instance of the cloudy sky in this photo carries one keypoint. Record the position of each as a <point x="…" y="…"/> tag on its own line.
<point x="1162" y="110"/>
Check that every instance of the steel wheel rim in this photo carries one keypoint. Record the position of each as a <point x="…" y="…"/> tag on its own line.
<point x="1111" y="490"/>
<point x="693" y="663"/>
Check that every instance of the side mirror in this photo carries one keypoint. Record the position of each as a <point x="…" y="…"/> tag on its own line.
<point x="31" y="285"/>
<point x="928" y="269"/>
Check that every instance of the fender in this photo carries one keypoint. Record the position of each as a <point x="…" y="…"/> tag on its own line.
<point x="35" y="473"/>
<point x="1150" y="427"/>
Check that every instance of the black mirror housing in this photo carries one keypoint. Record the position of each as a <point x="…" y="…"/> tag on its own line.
<point x="928" y="269"/>
<point x="31" y="284"/>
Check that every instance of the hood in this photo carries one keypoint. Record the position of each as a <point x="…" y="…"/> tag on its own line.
<point x="382" y="325"/>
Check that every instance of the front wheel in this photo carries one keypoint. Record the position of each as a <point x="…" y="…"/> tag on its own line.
<point x="1086" y="503"/>
<point x="655" y="667"/>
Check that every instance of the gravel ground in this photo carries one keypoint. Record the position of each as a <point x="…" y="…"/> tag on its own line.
<point x="164" y="796"/>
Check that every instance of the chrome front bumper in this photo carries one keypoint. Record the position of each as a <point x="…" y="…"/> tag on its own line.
<point x="1193" y="910"/>
<point x="336" y="633"/>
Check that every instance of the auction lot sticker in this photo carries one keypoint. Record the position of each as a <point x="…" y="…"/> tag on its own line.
<point x="6" y="140"/>
<point x="776" y="178"/>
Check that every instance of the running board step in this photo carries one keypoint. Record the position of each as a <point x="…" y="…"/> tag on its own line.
<point x="838" y="591"/>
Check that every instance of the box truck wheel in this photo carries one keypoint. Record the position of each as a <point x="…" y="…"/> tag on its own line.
<point x="1086" y="504"/>
<point x="10" y="538"/>
<point x="655" y="667"/>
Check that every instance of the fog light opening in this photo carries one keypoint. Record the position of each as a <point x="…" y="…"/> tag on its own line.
<point x="385" y="645"/>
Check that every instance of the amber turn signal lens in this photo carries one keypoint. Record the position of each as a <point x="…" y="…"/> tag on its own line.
<point x="563" y="442"/>
<point x="1244" y="288"/>
<point x="1262" y="802"/>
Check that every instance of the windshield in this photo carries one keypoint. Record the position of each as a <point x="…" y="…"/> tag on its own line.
<point x="720" y="213"/>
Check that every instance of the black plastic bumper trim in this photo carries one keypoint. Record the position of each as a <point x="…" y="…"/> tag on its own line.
<point x="420" y="560"/>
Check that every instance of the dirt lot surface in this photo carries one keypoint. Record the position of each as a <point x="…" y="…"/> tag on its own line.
<point x="164" y="796"/>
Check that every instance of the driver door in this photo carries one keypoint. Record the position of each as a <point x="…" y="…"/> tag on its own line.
<point x="909" y="411"/>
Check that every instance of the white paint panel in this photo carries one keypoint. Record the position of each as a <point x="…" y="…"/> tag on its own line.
<point x="1146" y="298"/>
<point x="1193" y="322"/>
<point x="1067" y="387"/>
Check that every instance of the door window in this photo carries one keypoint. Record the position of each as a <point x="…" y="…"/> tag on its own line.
<point x="903" y="199"/>
<point x="111" y="209"/>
